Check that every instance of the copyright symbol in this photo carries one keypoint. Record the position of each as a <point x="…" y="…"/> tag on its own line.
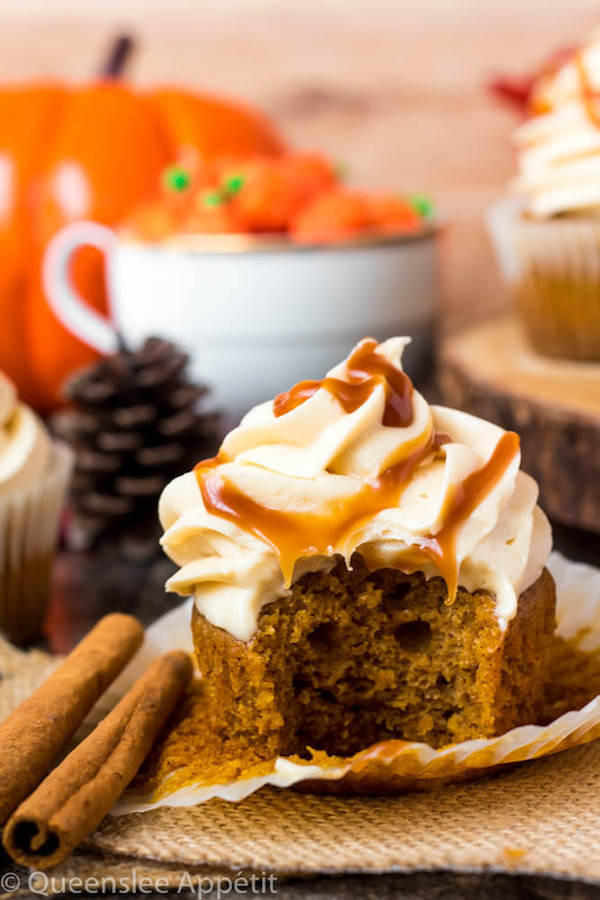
<point x="10" y="882"/>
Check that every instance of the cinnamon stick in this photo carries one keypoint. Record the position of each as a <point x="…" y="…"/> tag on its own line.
<point x="75" y="797"/>
<point x="34" y="734"/>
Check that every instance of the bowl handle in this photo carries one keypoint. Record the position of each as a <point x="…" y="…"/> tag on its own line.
<point x="66" y="302"/>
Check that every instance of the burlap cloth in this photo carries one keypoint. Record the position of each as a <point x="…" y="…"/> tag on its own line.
<point x="540" y="817"/>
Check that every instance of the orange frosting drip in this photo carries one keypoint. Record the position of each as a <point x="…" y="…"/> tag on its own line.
<point x="365" y="370"/>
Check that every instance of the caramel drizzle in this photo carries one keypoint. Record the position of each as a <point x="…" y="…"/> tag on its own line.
<point x="365" y="370"/>
<point x="293" y="535"/>
<point x="440" y="548"/>
<point x="589" y="94"/>
<point x="551" y="68"/>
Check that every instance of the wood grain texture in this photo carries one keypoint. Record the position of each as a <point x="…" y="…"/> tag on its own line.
<point x="554" y="405"/>
<point x="397" y="90"/>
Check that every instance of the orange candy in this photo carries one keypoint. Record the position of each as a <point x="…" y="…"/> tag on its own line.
<point x="210" y="217"/>
<point x="333" y="215"/>
<point x="295" y="194"/>
<point x="266" y="198"/>
<point x="268" y="192"/>
<point x="391" y="215"/>
<point x="310" y="173"/>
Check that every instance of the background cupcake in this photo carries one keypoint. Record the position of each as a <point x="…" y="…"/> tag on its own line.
<point x="547" y="234"/>
<point x="34" y="472"/>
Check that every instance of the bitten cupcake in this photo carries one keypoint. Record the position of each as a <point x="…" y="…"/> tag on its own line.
<point x="34" y="473"/>
<point x="366" y="567"/>
<point x="547" y="235"/>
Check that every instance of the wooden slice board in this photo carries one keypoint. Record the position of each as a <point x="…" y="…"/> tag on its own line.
<point x="554" y="405"/>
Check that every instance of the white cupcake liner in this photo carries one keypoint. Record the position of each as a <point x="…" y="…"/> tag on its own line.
<point x="566" y="247"/>
<point x="554" y="268"/>
<point x="393" y="766"/>
<point x="29" y="521"/>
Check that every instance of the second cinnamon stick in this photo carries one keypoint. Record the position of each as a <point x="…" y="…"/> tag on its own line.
<point x="76" y="796"/>
<point x="36" y="732"/>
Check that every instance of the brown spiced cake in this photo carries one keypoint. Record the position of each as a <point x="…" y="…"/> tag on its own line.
<point x="355" y="658"/>
<point x="365" y="567"/>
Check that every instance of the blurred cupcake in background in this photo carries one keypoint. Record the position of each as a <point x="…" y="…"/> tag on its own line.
<point x="34" y="473"/>
<point x="547" y="233"/>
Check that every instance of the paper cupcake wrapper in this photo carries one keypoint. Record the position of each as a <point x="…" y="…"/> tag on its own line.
<point x="565" y="247"/>
<point x="29" y="520"/>
<point x="392" y="766"/>
<point x="554" y="268"/>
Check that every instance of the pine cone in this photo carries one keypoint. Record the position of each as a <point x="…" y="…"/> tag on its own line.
<point x="136" y="422"/>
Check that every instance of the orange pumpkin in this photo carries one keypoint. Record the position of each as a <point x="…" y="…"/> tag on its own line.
<point x="27" y="116"/>
<point x="211" y="127"/>
<point x="91" y="152"/>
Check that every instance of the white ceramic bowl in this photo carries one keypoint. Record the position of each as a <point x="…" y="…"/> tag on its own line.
<point x="255" y="315"/>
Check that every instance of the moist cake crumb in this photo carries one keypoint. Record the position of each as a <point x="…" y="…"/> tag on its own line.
<point x="354" y="657"/>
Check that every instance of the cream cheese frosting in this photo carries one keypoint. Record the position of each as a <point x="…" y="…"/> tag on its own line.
<point x="558" y="147"/>
<point x="24" y="443"/>
<point x="325" y="478"/>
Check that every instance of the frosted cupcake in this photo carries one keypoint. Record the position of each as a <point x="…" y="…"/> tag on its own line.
<point x="34" y="473"/>
<point x="365" y="566"/>
<point x="547" y="235"/>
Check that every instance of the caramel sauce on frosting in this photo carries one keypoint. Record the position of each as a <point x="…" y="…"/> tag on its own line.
<point x="589" y="95"/>
<point x="355" y="462"/>
<point x="365" y="369"/>
<point x="294" y="535"/>
<point x="468" y="494"/>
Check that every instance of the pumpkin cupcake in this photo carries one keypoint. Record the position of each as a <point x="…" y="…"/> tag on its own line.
<point x="365" y="567"/>
<point x="34" y="473"/>
<point x="547" y="235"/>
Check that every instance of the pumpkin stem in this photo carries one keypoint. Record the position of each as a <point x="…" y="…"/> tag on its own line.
<point x="118" y="56"/>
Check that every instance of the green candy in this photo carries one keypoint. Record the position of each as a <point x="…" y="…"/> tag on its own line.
<point x="176" y="178"/>
<point x="212" y="198"/>
<point x="234" y="183"/>
<point x="422" y="204"/>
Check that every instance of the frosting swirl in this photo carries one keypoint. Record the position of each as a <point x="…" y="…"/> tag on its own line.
<point x="318" y="472"/>
<point x="558" y="147"/>
<point x="24" y="442"/>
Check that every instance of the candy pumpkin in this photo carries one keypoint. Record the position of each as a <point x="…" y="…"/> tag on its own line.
<point x="296" y="195"/>
<point x="333" y="215"/>
<point x="90" y="152"/>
